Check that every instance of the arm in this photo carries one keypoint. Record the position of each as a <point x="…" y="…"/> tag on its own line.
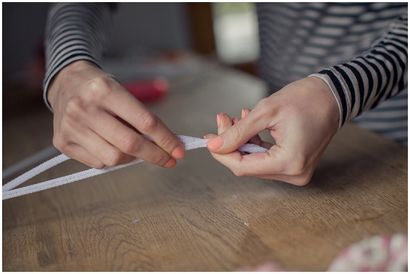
<point x="74" y="32"/>
<point x="372" y="77"/>
<point x="96" y="121"/>
<point x="303" y="116"/>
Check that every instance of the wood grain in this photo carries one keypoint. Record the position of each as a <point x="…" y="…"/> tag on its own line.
<point x="199" y="216"/>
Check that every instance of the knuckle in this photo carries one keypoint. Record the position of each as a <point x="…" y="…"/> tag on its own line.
<point x="161" y="159"/>
<point x="134" y="145"/>
<point x="98" y="84"/>
<point x="263" y="104"/>
<point x="302" y="180"/>
<point x="97" y="165"/>
<point x="296" y="166"/>
<point x="68" y="128"/>
<point x="130" y="144"/>
<point x="234" y="133"/>
<point x="238" y="172"/>
<point x="263" y="109"/>
<point x="97" y="88"/>
<point x="168" y="143"/>
<point x="59" y="143"/>
<point x="148" y="122"/>
<point x="67" y="124"/>
<point x="113" y="159"/>
<point x="73" y="107"/>
<point x="137" y="147"/>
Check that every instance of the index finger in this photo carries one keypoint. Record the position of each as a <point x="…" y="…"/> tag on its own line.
<point x="249" y="164"/>
<point x="133" y="112"/>
<point x="254" y="164"/>
<point x="238" y="134"/>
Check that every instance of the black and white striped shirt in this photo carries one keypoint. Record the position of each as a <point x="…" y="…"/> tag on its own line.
<point x="358" y="49"/>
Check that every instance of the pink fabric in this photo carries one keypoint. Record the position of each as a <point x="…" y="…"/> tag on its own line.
<point x="378" y="253"/>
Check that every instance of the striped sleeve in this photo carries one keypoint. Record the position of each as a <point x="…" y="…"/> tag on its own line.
<point x="74" y="31"/>
<point x="371" y="78"/>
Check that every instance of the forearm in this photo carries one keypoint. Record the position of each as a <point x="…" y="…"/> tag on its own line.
<point x="74" y="32"/>
<point x="375" y="76"/>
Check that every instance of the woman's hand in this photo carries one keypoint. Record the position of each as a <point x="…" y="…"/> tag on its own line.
<point x="97" y="122"/>
<point x="302" y="119"/>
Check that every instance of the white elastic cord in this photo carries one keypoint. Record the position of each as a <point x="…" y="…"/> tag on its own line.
<point x="9" y="191"/>
<point x="36" y="158"/>
<point x="35" y="171"/>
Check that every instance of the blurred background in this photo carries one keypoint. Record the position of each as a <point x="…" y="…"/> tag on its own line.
<point x="226" y="32"/>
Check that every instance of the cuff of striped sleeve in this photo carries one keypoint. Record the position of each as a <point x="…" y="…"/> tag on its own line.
<point x="330" y="84"/>
<point x="52" y="73"/>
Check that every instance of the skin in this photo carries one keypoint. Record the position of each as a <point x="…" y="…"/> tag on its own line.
<point x="97" y="122"/>
<point x="302" y="118"/>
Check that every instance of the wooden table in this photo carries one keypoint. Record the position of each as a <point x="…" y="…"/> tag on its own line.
<point x="199" y="216"/>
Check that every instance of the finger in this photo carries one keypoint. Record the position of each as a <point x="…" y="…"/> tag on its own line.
<point x="132" y="111"/>
<point x="254" y="164"/>
<point x="266" y="145"/>
<point x="100" y="148"/>
<point x="224" y="122"/>
<point x="80" y="154"/>
<point x="269" y="165"/>
<point x="237" y="135"/>
<point x="127" y="140"/>
<point x="220" y="157"/>
<point x="257" y="140"/>
<point x="235" y="161"/>
<point x="240" y="165"/>
<point x="245" y="112"/>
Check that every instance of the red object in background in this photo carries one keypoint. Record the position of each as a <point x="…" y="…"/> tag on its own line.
<point x="148" y="90"/>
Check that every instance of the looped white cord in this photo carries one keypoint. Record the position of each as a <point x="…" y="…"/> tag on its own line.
<point x="9" y="191"/>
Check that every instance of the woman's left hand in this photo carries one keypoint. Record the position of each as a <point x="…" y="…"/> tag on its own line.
<point x="302" y="118"/>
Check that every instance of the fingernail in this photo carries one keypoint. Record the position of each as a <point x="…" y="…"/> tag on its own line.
<point x="178" y="153"/>
<point x="218" y="119"/>
<point x="171" y="162"/>
<point x="215" y="143"/>
<point x="245" y="112"/>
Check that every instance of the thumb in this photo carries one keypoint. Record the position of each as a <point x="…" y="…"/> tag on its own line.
<point x="235" y="136"/>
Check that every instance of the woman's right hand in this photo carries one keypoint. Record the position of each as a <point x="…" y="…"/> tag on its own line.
<point x="97" y="122"/>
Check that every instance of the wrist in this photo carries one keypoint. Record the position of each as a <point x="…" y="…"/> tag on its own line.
<point x="325" y="100"/>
